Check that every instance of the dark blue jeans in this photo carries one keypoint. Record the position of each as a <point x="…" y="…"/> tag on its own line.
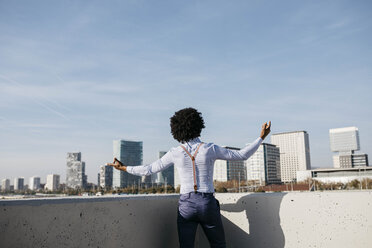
<point x="204" y="209"/>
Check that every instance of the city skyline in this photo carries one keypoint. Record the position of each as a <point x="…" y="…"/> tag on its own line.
<point x="155" y="177"/>
<point x="75" y="77"/>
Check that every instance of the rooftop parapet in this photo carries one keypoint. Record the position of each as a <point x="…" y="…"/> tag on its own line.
<point x="300" y="219"/>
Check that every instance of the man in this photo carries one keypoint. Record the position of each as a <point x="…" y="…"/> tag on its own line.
<point x="195" y="161"/>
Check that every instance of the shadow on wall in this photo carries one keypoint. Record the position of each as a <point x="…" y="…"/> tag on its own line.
<point x="259" y="226"/>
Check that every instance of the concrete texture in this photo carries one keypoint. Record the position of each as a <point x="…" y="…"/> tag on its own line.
<point x="303" y="219"/>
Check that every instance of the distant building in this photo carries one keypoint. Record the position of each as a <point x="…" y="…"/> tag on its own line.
<point x="336" y="175"/>
<point x="105" y="176"/>
<point x="177" y="182"/>
<point x="294" y="153"/>
<point x="52" y="182"/>
<point x="344" y="139"/>
<point x="358" y="160"/>
<point x="5" y="184"/>
<point x="75" y="174"/>
<point x="130" y="154"/>
<point x="225" y="170"/>
<point x="19" y="183"/>
<point x="34" y="183"/>
<point x="264" y="165"/>
<point x="166" y="175"/>
<point x="352" y="160"/>
<point x="344" y="142"/>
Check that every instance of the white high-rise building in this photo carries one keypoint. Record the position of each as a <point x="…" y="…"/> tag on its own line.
<point x="52" y="182"/>
<point x="34" y="183"/>
<point x="19" y="183"/>
<point x="344" y="142"/>
<point x="294" y="153"/>
<point x="263" y="166"/>
<point x="344" y="139"/>
<point x="5" y="184"/>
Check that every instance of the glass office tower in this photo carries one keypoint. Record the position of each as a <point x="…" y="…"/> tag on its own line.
<point x="130" y="154"/>
<point x="264" y="165"/>
<point x="165" y="175"/>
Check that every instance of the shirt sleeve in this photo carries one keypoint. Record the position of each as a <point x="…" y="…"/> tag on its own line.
<point x="242" y="154"/>
<point x="158" y="165"/>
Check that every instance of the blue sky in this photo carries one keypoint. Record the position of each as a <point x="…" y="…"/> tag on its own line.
<point x="75" y="75"/>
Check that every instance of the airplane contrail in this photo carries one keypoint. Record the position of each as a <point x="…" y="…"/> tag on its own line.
<point x="37" y="101"/>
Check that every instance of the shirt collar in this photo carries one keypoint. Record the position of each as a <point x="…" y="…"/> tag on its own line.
<point x="192" y="142"/>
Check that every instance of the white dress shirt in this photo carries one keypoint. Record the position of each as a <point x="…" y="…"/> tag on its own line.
<point x="204" y="163"/>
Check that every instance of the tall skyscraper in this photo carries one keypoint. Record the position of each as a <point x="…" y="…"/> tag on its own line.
<point x="5" y="184"/>
<point x="229" y="170"/>
<point x="75" y="174"/>
<point x="344" y="142"/>
<point x="105" y="176"/>
<point x="130" y="154"/>
<point x="34" y="183"/>
<point x="264" y="165"/>
<point x="294" y="153"/>
<point x="166" y="175"/>
<point x="19" y="183"/>
<point x="52" y="182"/>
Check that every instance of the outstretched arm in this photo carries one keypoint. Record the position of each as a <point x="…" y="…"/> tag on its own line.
<point x="145" y="170"/>
<point x="246" y="152"/>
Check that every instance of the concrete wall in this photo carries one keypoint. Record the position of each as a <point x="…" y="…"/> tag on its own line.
<point x="308" y="219"/>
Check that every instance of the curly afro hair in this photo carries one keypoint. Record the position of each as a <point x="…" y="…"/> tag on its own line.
<point x="186" y="124"/>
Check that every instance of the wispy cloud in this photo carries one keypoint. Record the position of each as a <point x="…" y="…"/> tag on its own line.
<point x="338" y="24"/>
<point x="42" y="101"/>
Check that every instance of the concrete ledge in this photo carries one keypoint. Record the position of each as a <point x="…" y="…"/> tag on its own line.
<point x="303" y="219"/>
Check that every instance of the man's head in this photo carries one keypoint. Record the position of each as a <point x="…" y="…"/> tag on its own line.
<point x="186" y="124"/>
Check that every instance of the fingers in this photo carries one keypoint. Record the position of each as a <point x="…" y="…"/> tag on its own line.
<point x="115" y="164"/>
<point x="119" y="162"/>
<point x="266" y="126"/>
<point x="269" y="126"/>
